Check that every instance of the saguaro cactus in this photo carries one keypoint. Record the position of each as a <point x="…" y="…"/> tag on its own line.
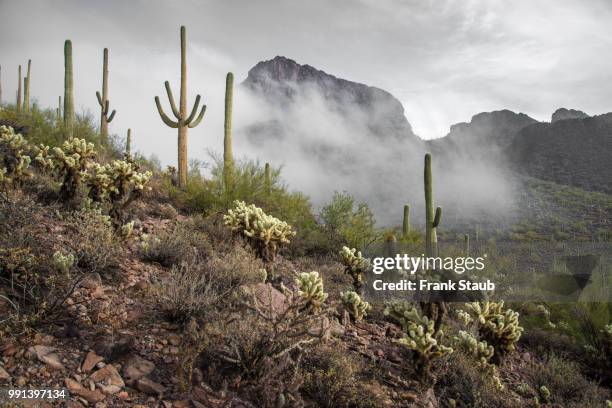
<point x="0" y="85"/>
<point x="26" y="88"/>
<point x="19" y="90"/>
<point x="466" y="237"/>
<point x="267" y="180"/>
<point x="183" y="121"/>
<point x="432" y="220"/>
<point x="128" y="143"/>
<point x="68" y="90"/>
<point x="406" y="223"/>
<point x="228" y="159"/>
<point x="58" y="111"/>
<point x="103" y="101"/>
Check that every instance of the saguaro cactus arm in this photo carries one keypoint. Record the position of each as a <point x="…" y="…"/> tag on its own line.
<point x="176" y="112"/>
<point x="199" y="118"/>
<point x="164" y="117"/>
<point x="105" y="108"/>
<point x="194" y="110"/>
<point x="437" y="217"/>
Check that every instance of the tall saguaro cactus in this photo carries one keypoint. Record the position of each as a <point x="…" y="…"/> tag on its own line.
<point x="68" y="90"/>
<point x="19" y="90"/>
<point x="406" y="222"/>
<point x="267" y="181"/>
<point x="228" y="158"/>
<point x="26" y="89"/>
<point x="435" y="311"/>
<point x="432" y="220"/>
<point x="105" y="118"/>
<point x="466" y="238"/>
<point x="0" y="85"/>
<point x="183" y="122"/>
<point x="58" y="111"/>
<point x="128" y="143"/>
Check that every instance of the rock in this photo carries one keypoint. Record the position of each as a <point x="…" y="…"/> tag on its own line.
<point x="4" y="376"/>
<point x="149" y="386"/>
<point x="429" y="399"/>
<point x="77" y="389"/>
<point x="9" y="350"/>
<point x="47" y="355"/>
<point x="107" y="376"/>
<point x="21" y="381"/>
<point x="112" y="350"/>
<point x="90" y="361"/>
<point x="136" y="368"/>
<point x="174" y="339"/>
<point x="123" y="395"/>
<point x="268" y="296"/>
<point x="197" y="404"/>
<point x="199" y="394"/>
<point x="109" y="389"/>
<point x="98" y="293"/>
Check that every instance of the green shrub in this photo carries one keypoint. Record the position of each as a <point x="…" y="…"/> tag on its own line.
<point x="354" y="223"/>
<point x="182" y="242"/>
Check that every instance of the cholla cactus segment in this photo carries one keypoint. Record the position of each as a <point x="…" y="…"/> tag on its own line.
<point x="480" y="350"/>
<point x="266" y="232"/>
<point x="311" y="289"/>
<point x="464" y="317"/>
<point x="42" y="157"/>
<point x="355" y="265"/>
<point x="497" y="326"/>
<point x="2" y="173"/>
<point x="63" y="262"/>
<point x="114" y="180"/>
<point x="75" y="154"/>
<point x="353" y="303"/>
<point x="403" y="312"/>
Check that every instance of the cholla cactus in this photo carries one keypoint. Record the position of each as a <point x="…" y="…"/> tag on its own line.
<point x="63" y="262"/>
<point x="355" y="265"/>
<point x="480" y="350"/>
<point x="420" y="335"/>
<point x="464" y="317"/>
<point x="127" y="229"/>
<point x="544" y="393"/>
<point x="72" y="159"/>
<point x="43" y="158"/>
<point x="2" y="173"/>
<point x="353" y="303"/>
<point x="497" y="326"/>
<point x="118" y="182"/>
<point x="264" y="232"/>
<point x="15" y="153"/>
<point x="311" y="289"/>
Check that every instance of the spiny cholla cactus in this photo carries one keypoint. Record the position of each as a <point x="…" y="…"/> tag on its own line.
<point x="355" y="265"/>
<point x="72" y="159"/>
<point x="118" y="182"/>
<point x="420" y="335"/>
<point x="497" y="326"/>
<point x="545" y="313"/>
<point x="310" y="286"/>
<point x="353" y="303"/>
<point x="264" y="232"/>
<point x="15" y="153"/>
<point x="464" y="317"/>
<point x="480" y="350"/>
<point x="43" y="158"/>
<point x="63" y="262"/>
<point x="145" y="243"/>
<point x="127" y="229"/>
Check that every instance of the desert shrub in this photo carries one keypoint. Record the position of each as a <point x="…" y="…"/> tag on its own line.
<point x="190" y="291"/>
<point x="419" y="335"/>
<point x="34" y="280"/>
<point x="353" y="222"/>
<point x="469" y="386"/>
<point x="595" y="334"/>
<point x="567" y="386"/>
<point x="263" y="345"/>
<point x="175" y="245"/>
<point x="332" y="379"/>
<point x="92" y="240"/>
<point x="265" y="233"/>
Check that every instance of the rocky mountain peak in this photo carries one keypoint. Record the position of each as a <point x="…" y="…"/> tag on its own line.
<point x="564" y="114"/>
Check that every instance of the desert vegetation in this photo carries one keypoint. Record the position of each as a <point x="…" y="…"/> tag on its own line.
<point x="131" y="285"/>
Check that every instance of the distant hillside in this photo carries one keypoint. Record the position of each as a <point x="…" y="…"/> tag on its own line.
<point x="575" y="152"/>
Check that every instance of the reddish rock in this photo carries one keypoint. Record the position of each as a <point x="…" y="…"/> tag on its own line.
<point x="136" y="368"/>
<point x="149" y="386"/>
<point x="77" y="389"/>
<point x="107" y="376"/>
<point x="90" y="361"/>
<point x="4" y="376"/>
<point x="47" y="355"/>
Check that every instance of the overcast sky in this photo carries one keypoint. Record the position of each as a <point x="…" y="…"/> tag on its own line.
<point x="444" y="60"/>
